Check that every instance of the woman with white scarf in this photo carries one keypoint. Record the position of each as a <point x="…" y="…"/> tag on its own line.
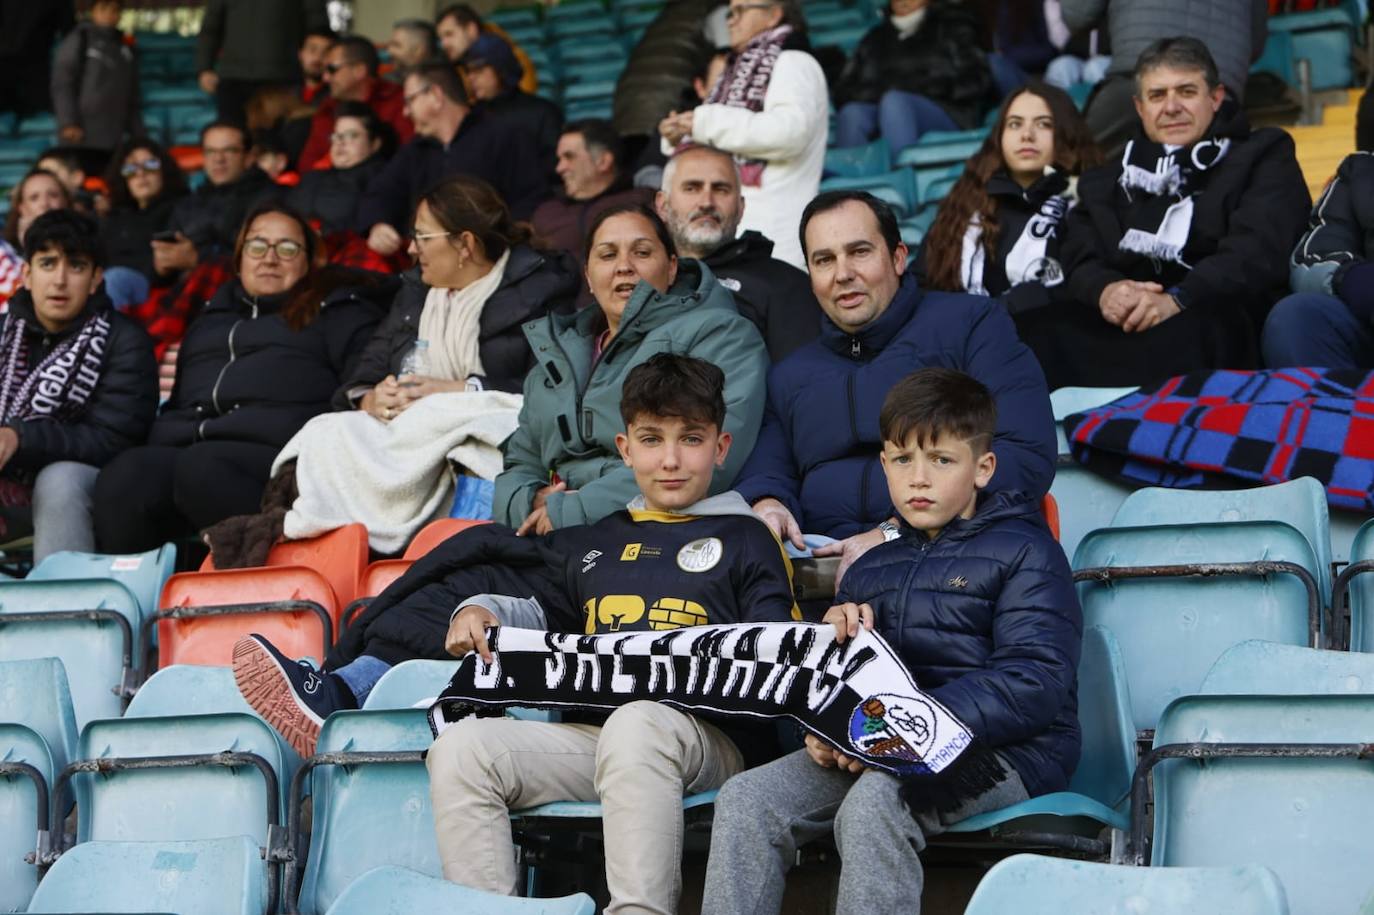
<point x="770" y="109"/>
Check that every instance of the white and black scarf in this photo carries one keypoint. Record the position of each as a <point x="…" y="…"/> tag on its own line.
<point x="1027" y="261"/>
<point x="857" y="696"/>
<point x="62" y="383"/>
<point x="1161" y="184"/>
<point x="744" y="84"/>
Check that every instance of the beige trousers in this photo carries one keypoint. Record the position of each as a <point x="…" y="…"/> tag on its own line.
<point x="639" y="765"/>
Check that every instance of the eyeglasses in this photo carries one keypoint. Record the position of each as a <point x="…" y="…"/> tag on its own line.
<point x="331" y="69"/>
<point x="286" y="249"/>
<point x="146" y="165"/>
<point x="737" y="10"/>
<point x="346" y="136"/>
<point x="426" y="236"/>
<point x="416" y="94"/>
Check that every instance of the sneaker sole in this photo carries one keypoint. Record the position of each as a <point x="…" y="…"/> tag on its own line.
<point x="267" y="689"/>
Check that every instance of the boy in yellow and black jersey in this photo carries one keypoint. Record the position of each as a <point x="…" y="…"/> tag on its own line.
<point x="671" y="559"/>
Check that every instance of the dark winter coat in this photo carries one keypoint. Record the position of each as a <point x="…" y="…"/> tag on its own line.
<point x="818" y="449"/>
<point x="986" y="618"/>
<point x="536" y="116"/>
<point x="257" y="40"/>
<point x="1015" y="207"/>
<point x="1340" y="231"/>
<point x="129" y="232"/>
<point x="535" y="283"/>
<point x="243" y="375"/>
<point x="773" y="294"/>
<point x="120" y="412"/>
<point x="942" y="60"/>
<point x="489" y="148"/>
<point x="1244" y="225"/>
<point x="212" y="216"/>
<point x="331" y="195"/>
<point x="95" y="86"/>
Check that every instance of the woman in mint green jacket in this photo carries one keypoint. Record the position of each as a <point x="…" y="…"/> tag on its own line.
<point x="562" y="467"/>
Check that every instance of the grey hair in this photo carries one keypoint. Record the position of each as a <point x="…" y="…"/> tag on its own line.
<point x="670" y="169"/>
<point x="1177" y="53"/>
<point x="420" y="27"/>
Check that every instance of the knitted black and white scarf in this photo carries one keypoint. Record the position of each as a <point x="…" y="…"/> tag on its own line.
<point x="857" y="696"/>
<point x="62" y="383"/>
<point x="745" y="83"/>
<point x="1160" y="185"/>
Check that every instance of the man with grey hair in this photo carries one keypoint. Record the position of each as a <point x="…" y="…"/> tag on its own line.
<point x="413" y="42"/>
<point x="702" y="205"/>
<point x="1176" y="251"/>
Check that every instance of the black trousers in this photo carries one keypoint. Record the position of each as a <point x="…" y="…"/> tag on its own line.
<point x="149" y="495"/>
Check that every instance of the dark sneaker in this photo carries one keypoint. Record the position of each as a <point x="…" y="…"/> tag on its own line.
<point x="292" y="696"/>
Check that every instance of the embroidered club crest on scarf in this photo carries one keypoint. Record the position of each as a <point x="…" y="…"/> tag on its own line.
<point x="857" y="696"/>
<point x="745" y="83"/>
<point x="1161" y="185"/>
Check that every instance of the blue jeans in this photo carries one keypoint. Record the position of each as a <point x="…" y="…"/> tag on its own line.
<point x="899" y="117"/>
<point x="1309" y="328"/>
<point x="361" y="674"/>
<point x="125" y="286"/>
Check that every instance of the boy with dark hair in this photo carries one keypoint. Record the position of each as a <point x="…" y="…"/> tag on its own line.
<point x="673" y="558"/>
<point x="78" y="383"/>
<point x="977" y="598"/>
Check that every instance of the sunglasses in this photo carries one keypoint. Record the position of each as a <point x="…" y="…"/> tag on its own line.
<point x="147" y="165"/>
<point x="286" y="249"/>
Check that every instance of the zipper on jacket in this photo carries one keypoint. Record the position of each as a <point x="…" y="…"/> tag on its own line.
<point x="853" y="420"/>
<point x="214" y="392"/>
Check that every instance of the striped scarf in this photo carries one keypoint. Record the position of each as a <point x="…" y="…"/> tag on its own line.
<point x="744" y="84"/>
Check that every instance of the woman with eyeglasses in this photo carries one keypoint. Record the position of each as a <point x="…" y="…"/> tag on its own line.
<point x="478" y="278"/>
<point x="262" y="359"/>
<point x="358" y="149"/>
<point x="778" y="134"/>
<point x="145" y="182"/>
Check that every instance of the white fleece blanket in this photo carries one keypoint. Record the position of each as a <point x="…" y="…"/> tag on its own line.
<point x="393" y="477"/>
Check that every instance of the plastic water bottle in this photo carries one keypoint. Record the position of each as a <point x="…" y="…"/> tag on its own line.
<point x="415" y="363"/>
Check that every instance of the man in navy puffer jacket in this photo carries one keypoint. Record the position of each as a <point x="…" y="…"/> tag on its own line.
<point x="977" y="599"/>
<point x="815" y="465"/>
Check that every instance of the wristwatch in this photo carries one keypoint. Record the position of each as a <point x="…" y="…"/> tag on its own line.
<point x="890" y="530"/>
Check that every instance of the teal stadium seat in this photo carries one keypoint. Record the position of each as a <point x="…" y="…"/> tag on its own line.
<point x="1356" y="582"/>
<point x="38" y="125"/>
<point x="858" y="161"/>
<point x="1087" y="500"/>
<point x="936" y="149"/>
<point x="143" y="574"/>
<point x="637" y="18"/>
<point x="846" y="38"/>
<point x="1098" y="793"/>
<point x="209" y="877"/>
<point x="90" y="624"/>
<point x="1172" y="628"/>
<point x="37" y="736"/>
<point x="1270" y="669"/>
<point x="1303" y="815"/>
<point x="21" y="151"/>
<point x="410" y="682"/>
<point x="514" y="17"/>
<point x="1035" y="885"/>
<point x="595" y="47"/>
<point x="932" y="184"/>
<point x="399" y="891"/>
<point x="605" y="71"/>
<point x="566" y="31"/>
<point x="367" y="814"/>
<point x="174" y="95"/>
<point x="1324" y="38"/>
<point x="897" y="188"/>
<point x="589" y="91"/>
<point x="1300" y="503"/>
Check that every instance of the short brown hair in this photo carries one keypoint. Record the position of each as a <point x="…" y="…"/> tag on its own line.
<point x="667" y="384"/>
<point x="934" y="402"/>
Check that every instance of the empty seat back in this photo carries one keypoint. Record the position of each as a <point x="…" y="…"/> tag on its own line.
<point x="34" y="693"/>
<point x="1306" y="819"/>
<point x="94" y="651"/>
<point x="142" y="573"/>
<point x="1037" y="885"/>
<point x="1361" y="591"/>
<point x="1172" y="629"/>
<point x="21" y="809"/>
<point x="1269" y="668"/>
<point x="210" y="639"/>
<point x="400" y="891"/>
<point x="435" y="533"/>
<point x="410" y="682"/>
<point x="1300" y="503"/>
<point x="174" y="804"/>
<point x="368" y="815"/>
<point x="214" y="877"/>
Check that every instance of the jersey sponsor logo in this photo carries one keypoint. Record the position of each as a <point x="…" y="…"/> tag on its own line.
<point x="700" y="555"/>
<point x="590" y="559"/>
<point x="631" y="552"/>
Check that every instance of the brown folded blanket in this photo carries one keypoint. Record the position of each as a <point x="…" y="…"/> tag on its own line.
<point x="243" y="541"/>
